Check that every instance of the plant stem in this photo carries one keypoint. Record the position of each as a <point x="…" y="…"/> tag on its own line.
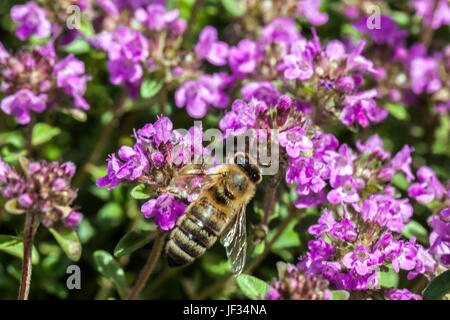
<point x="118" y="110"/>
<point x="27" y="252"/>
<point x="427" y="34"/>
<point x="195" y="9"/>
<point x="149" y="265"/>
<point x="29" y="136"/>
<point x="269" y="204"/>
<point x="281" y="228"/>
<point x="213" y="288"/>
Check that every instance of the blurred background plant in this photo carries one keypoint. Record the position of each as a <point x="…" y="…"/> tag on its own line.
<point x="93" y="86"/>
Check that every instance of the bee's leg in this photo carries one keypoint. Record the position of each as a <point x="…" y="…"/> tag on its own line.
<point x="169" y="192"/>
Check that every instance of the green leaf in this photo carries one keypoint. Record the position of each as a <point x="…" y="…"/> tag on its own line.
<point x="14" y="246"/>
<point x="413" y="228"/>
<point x="259" y="249"/>
<point x="339" y="295"/>
<point x="139" y="192"/>
<point x="110" y="215"/>
<point x="215" y="265"/>
<point x="438" y="287"/>
<point x="69" y="242"/>
<point x="400" y="182"/>
<point x="86" y="28"/>
<point x="234" y="7"/>
<point x="78" y="46"/>
<point x="43" y="133"/>
<point x="389" y="279"/>
<point x="252" y="287"/>
<point x="398" y="111"/>
<point x="14" y="138"/>
<point x="150" y="87"/>
<point x="11" y="207"/>
<point x="441" y="136"/>
<point x="131" y="242"/>
<point x="77" y="114"/>
<point x="289" y="238"/>
<point x="12" y="156"/>
<point x="108" y="267"/>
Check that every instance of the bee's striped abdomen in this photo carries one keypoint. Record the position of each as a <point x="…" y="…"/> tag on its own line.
<point x="195" y="232"/>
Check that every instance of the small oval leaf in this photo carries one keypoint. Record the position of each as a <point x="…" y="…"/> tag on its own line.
<point x="68" y="241"/>
<point x="11" y="207"/>
<point x="252" y="287"/>
<point x="14" y="246"/>
<point x="139" y="192"/>
<point x="131" y="242"/>
<point x="438" y="287"/>
<point x="340" y="295"/>
<point x="150" y="87"/>
<point x="42" y="133"/>
<point x="108" y="267"/>
<point x="413" y="228"/>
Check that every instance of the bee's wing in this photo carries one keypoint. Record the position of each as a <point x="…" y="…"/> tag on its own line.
<point x="190" y="181"/>
<point x="234" y="239"/>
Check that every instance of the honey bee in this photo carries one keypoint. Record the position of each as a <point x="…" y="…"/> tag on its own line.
<point x="217" y="211"/>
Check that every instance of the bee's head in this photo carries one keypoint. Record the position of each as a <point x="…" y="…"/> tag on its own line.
<point x="249" y="165"/>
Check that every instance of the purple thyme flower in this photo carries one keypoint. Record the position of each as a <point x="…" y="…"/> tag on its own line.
<point x="340" y="162"/>
<point x="429" y="187"/>
<point x="196" y="95"/>
<point x="155" y="16"/>
<point x="21" y="103"/>
<point x="111" y="179"/>
<point x="345" y="190"/>
<point x="344" y="230"/>
<point x="45" y="188"/>
<point x="298" y="64"/>
<point x="166" y="210"/>
<point x="310" y="9"/>
<point x="388" y="32"/>
<point x="387" y="211"/>
<point x="309" y="174"/>
<point x="209" y="48"/>
<point x="373" y="145"/>
<point x="425" y="263"/>
<point x="294" y="284"/>
<point x="434" y="17"/>
<point x="319" y="249"/>
<point x="73" y="220"/>
<point x="280" y="30"/>
<point x="424" y="75"/>
<point x="32" y="19"/>
<point x="4" y="55"/>
<point x="402" y="294"/>
<point x="135" y="163"/>
<point x="359" y="260"/>
<point x="325" y="223"/>
<point x="295" y="141"/>
<point x="241" y="117"/>
<point x="13" y="185"/>
<point x="126" y="49"/>
<point x="70" y="77"/>
<point x="264" y="91"/>
<point x="405" y="256"/>
<point x="440" y="236"/>
<point x="361" y="108"/>
<point x="402" y="161"/>
<point x="161" y="131"/>
<point x="243" y="58"/>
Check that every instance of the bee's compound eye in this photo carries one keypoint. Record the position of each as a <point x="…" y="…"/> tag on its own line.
<point x="255" y="177"/>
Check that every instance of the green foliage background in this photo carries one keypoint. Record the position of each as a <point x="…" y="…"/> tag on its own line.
<point x="108" y="216"/>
